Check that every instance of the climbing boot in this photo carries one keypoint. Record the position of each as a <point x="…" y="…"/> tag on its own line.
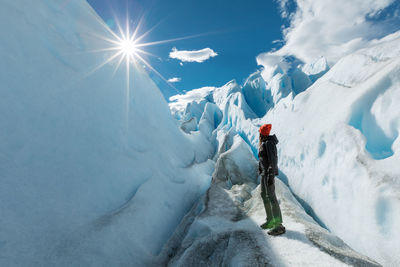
<point x="278" y="230"/>
<point x="269" y="224"/>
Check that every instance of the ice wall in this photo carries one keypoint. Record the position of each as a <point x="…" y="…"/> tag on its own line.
<point x="88" y="169"/>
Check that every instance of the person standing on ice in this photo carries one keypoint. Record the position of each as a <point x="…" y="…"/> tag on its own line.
<point x="268" y="169"/>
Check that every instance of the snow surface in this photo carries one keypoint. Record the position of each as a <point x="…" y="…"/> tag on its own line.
<point x="88" y="170"/>
<point x="339" y="147"/>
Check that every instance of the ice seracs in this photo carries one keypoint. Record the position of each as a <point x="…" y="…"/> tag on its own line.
<point x="316" y="69"/>
<point x="257" y="97"/>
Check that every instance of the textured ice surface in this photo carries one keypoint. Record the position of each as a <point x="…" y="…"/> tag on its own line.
<point x="88" y="169"/>
<point x="316" y="69"/>
<point x="257" y="97"/>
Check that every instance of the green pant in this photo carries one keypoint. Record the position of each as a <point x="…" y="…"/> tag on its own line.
<point x="271" y="205"/>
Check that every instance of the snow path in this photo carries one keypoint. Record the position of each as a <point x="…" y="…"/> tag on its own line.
<point x="305" y="243"/>
<point x="222" y="229"/>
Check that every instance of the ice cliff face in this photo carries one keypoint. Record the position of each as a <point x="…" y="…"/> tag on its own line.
<point x="90" y="175"/>
<point x="338" y="131"/>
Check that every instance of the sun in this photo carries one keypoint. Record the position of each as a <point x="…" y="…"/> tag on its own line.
<point x="128" y="48"/>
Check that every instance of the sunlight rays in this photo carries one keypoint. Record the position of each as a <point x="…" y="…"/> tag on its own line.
<point x="127" y="46"/>
<point x="126" y="49"/>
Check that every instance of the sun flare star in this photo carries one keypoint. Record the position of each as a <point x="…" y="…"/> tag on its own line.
<point x="127" y="48"/>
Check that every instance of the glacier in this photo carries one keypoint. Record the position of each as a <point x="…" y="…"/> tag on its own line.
<point x="95" y="171"/>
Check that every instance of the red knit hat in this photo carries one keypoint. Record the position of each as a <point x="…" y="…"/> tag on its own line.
<point x="265" y="129"/>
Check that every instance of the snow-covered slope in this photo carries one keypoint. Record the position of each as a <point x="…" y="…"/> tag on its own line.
<point x="339" y="146"/>
<point x="90" y="174"/>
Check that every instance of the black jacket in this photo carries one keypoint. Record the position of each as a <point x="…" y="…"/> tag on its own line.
<point x="268" y="156"/>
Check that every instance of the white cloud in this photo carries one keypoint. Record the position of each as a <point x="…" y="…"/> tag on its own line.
<point x="284" y="8"/>
<point x="330" y="28"/>
<point x="174" y="80"/>
<point x="192" y="56"/>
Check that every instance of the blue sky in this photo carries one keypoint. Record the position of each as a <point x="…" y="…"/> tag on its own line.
<point x="242" y="33"/>
<point x="236" y="30"/>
